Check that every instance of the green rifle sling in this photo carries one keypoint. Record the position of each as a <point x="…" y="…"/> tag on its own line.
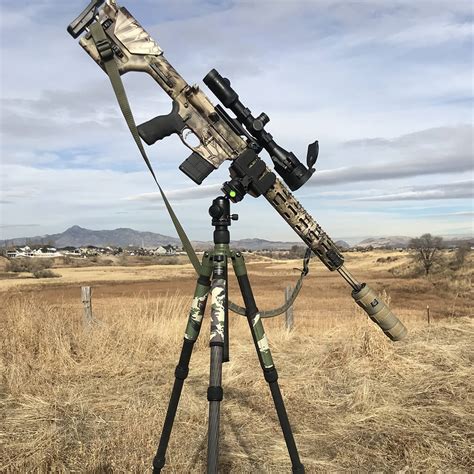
<point x="111" y="68"/>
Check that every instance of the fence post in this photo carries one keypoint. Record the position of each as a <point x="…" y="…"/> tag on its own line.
<point x="86" y="297"/>
<point x="289" y="311"/>
<point x="428" y="313"/>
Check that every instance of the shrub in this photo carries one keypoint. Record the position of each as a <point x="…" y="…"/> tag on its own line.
<point x="29" y="264"/>
<point x="18" y="265"/>
<point x="460" y="256"/>
<point x="386" y="259"/>
<point x="168" y="261"/>
<point x="45" y="274"/>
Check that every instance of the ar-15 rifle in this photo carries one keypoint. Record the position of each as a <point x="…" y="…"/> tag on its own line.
<point x="114" y="35"/>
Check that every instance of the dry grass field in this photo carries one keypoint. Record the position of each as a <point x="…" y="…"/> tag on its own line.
<point x="92" y="399"/>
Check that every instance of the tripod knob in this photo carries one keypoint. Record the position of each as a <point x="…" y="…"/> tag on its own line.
<point x="216" y="211"/>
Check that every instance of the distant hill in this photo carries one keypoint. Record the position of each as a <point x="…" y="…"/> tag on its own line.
<point x="402" y="241"/>
<point x="456" y="241"/>
<point x="399" y="241"/>
<point x="77" y="236"/>
<point x="342" y="244"/>
<point x="262" y="244"/>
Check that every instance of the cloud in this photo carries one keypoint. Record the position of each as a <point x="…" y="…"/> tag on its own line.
<point x="466" y="213"/>
<point x="434" y="33"/>
<point x="458" y="137"/>
<point x="18" y="226"/>
<point x="198" y="192"/>
<point x="457" y="190"/>
<point x="388" y="171"/>
<point x="442" y="150"/>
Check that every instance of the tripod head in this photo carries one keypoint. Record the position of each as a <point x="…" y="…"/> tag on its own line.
<point x="221" y="219"/>
<point x="287" y="165"/>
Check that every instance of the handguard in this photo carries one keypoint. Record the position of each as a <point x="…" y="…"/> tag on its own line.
<point x="220" y="139"/>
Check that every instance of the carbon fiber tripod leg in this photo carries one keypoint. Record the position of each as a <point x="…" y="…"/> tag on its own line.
<point x="217" y="343"/>
<point x="265" y="358"/>
<point x="192" y="332"/>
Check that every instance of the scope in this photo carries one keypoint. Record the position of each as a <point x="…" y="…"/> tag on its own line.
<point x="287" y="165"/>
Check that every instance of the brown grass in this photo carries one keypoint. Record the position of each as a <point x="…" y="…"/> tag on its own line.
<point x="83" y="399"/>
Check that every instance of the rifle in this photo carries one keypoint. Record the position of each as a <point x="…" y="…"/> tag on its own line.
<point x="117" y="42"/>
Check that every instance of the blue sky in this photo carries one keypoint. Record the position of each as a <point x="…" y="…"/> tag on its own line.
<point x="386" y="88"/>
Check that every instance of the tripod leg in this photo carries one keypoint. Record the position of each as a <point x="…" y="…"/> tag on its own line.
<point x="217" y="343"/>
<point x="192" y="332"/>
<point x="265" y="358"/>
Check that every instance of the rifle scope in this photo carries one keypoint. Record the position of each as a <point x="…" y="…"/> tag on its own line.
<point x="293" y="172"/>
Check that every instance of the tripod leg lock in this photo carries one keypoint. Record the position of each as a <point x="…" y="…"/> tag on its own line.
<point x="271" y="375"/>
<point x="215" y="394"/>
<point x="181" y="372"/>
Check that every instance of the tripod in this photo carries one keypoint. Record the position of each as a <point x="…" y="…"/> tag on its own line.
<point x="213" y="280"/>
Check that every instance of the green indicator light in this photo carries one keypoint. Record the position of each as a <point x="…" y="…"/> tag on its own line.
<point x="232" y="194"/>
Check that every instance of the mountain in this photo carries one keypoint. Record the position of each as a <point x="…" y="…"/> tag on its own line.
<point x="453" y="241"/>
<point x="342" y="244"/>
<point x="77" y="236"/>
<point x="402" y="241"/>
<point x="399" y="241"/>
<point x="262" y="244"/>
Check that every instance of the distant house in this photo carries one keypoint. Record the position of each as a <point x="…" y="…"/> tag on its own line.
<point x="160" y="251"/>
<point x="25" y="252"/>
<point x="170" y="250"/>
<point x="21" y="252"/>
<point x="164" y="250"/>
<point x="73" y="252"/>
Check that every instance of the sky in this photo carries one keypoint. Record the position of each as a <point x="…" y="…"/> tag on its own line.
<point x="386" y="88"/>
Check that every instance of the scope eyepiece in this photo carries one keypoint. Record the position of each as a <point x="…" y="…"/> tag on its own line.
<point x="220" y="87"/>
<point x="287" y="165"/>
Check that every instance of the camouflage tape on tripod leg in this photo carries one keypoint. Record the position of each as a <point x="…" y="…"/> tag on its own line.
<point x="218" y="290"/>
<point x="262" y="341"/>
<point x="255" y="321"/>
<point x="198" y="305"/>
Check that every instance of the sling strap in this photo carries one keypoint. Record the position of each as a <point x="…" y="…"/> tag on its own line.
<point x="107" y="56"/>
<point x="281" y="309"/>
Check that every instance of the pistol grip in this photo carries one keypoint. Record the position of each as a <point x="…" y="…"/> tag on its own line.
<point x="161" y="126"/>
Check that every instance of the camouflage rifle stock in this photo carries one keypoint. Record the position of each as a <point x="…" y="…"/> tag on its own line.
<point x="220" y="139"/>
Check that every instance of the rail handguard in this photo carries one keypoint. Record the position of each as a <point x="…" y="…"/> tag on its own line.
<point x="222" y="138"/>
